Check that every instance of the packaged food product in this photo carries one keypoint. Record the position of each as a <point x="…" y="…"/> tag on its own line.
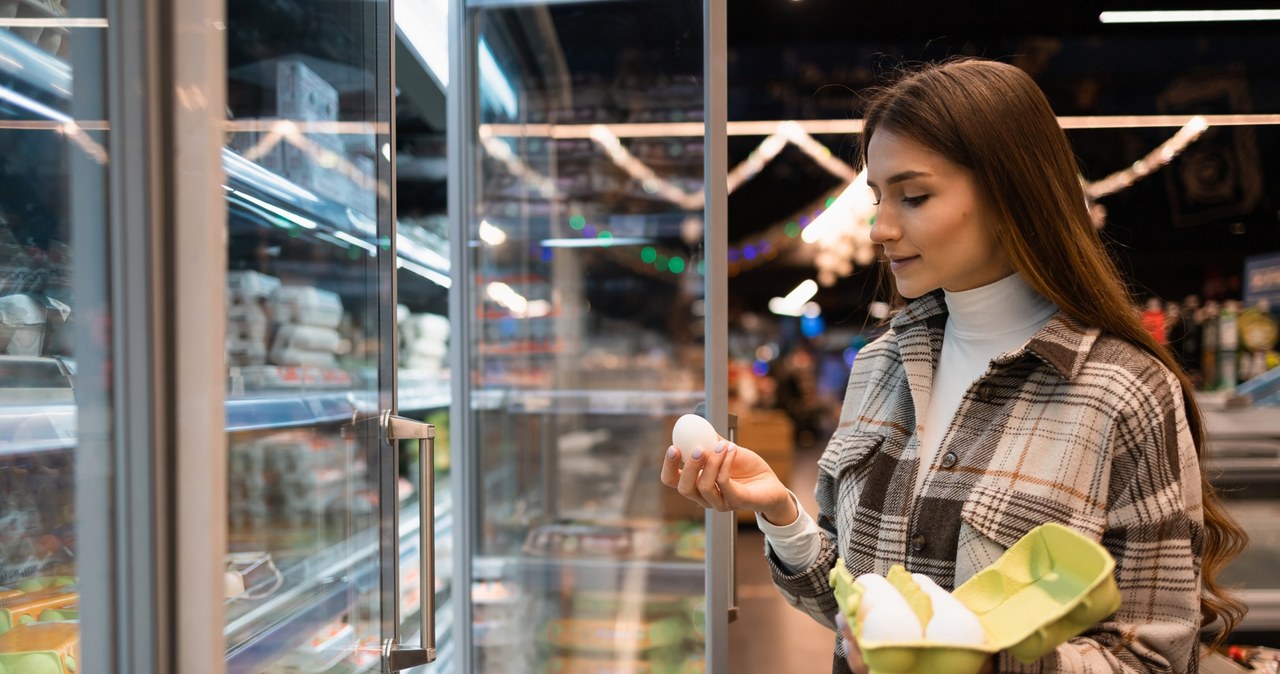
<point x="1051" y="585"/>
<point x="27" y="607"/>
<point x="608" y="634"/>
<point x="41" y="648"/>
<point x="305" y="305"/>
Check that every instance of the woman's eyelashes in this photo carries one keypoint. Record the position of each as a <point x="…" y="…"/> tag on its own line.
<point x="909" y="201"/>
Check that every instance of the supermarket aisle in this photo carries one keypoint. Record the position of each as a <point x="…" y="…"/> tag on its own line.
<point x="770" y="637"/>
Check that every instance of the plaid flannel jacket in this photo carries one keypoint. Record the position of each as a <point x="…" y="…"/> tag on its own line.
<point x="1074" y="427"/>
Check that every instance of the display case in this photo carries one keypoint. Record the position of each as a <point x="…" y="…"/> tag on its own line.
<point x="335" y="314"/>
<point x="40" y="456"/>
<point x="586" y="330"/>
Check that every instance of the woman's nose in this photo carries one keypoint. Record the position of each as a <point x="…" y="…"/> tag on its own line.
<point x="882" y="229"/>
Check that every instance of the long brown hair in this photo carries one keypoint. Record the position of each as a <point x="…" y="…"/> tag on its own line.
<point x="992" y="119"/>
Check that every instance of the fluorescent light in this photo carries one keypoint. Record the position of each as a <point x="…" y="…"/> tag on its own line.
<point x="424" y="26"/>
<point x="794" y="303"/>
<point x="429" y="274"/>
<point x="286" y="214"/>
<point x="35" y="106"/>
<point x="857" y="196"/>
<point x="491" y="234"/>
<point x="52" y="23"/>
<point x="372" y="249"/>
<point x="595" y="243"/>
<point x="1190" y="16"/>
<point x="802" y="293"/>
<point x="494" y="84"/>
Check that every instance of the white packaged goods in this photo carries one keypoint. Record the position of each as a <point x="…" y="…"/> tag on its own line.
<point x="241" y="353"/>
<point x="22" y="325"/>
<point x="247" y="331"/>
<point x="301" y="94"/>
<point x="248" y="311"/>
<point x="246" y="284"/>
<point x="299" y="357"/>
<point x="306" y="338"/>
<point x="305" y="305"/>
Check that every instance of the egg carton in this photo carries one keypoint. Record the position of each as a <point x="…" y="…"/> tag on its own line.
<point x="1050" y="586"/>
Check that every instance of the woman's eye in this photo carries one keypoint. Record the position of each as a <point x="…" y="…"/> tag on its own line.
<point x="915" y="201"/>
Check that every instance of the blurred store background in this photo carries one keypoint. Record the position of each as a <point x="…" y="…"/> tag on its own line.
<point x="573" y="269"/>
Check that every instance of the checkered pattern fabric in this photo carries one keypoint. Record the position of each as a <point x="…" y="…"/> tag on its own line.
<point x="1074" y="427"/>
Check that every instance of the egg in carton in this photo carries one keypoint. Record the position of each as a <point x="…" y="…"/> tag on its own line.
<point x="1050" y="586"/>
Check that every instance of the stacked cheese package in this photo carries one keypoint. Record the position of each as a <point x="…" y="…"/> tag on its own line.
<point x="40" y="625"/>
<point x="247" y="293"/>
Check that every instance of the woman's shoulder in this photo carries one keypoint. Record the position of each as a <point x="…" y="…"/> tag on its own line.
<point x="879" y="353"/>
<point x="1133" y="376"/>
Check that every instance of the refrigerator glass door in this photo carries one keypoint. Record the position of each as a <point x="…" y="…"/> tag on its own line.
<point x="585" y="333"/>
<point x="53" y="208"/>
<point x="312" y="484"/>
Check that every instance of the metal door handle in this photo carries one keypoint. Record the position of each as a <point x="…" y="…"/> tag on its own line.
<point x="733" y="538"/>
<point x="396" y="657"/>
<point x="732" y="436"/>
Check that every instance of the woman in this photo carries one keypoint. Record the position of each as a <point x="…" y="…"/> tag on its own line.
<point x="1016" y="387"/>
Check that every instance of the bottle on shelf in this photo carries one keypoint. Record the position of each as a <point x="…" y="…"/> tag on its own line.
<point x="1184" y="336"/>
<point x="1228" y="345"/>
<point x="1153" y="320"/>
<point x="1209" y="346"/>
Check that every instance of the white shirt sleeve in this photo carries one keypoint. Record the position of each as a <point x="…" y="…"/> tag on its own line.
<point x="797" y="545"/>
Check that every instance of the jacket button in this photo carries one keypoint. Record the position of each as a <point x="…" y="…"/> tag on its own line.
<point x="949" y="459"/>
<point x="917" y="542"/>
<point x="985" y="393"/>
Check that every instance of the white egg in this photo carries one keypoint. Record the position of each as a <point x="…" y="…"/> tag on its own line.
<point x="692" y="431"/>
<point x="952" y="622"/>
<point x="890" y="622"/>
<point x="876" y="588"/>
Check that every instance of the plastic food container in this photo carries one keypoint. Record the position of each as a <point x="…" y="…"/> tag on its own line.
<point x="1053" y="584"/>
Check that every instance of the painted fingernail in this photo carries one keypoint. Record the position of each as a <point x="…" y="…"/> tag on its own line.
<point x="719" y="446"/>
<point x="732" y="446"/>
<point x="671" y="452"/>
<point x="697" y="453"/>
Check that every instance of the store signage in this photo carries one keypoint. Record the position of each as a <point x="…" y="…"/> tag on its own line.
<point x="1262" y="279"/>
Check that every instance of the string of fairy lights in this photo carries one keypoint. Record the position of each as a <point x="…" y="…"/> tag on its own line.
<point x="842" y="241"/>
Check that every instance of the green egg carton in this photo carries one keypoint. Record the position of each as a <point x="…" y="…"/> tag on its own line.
<point x="1051" y="585"/>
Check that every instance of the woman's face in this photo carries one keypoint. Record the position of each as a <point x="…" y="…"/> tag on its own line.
<point x="931" y="221"/>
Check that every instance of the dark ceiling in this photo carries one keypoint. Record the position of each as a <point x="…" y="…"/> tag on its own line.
<point x="1185" y="229"/>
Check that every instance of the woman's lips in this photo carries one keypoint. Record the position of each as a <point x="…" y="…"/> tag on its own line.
<point x="899" y="263"/>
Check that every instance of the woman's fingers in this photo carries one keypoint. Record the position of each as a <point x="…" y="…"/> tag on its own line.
<point x="671" y="467"/>
<point x="688" y="482"/>
<point x="707" y="479"/>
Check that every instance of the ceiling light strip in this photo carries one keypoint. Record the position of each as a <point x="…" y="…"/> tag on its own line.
<point x="1190" y="16"/>
<point x="843" y="126"/>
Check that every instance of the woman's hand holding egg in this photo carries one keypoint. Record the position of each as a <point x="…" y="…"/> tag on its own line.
<point x="716" y="473"/>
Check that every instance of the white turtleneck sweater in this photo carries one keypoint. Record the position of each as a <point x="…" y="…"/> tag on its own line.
<point x="982" y="324"/>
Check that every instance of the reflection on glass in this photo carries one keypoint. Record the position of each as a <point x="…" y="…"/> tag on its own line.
<point x="303" y="340"/>
<point x="587" y="255"/>
<point x="39" y="143"/>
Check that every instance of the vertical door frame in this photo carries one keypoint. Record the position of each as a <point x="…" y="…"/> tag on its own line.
<point x="464" y="472"/>
<point x="154" y="422"/>
<point x="192" y="48"/>
<point x="721" y="527"/>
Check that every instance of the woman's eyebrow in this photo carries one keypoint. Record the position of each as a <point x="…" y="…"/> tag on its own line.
<point x="899" y="177"/>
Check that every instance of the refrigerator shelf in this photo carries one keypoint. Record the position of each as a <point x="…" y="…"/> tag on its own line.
<point x="659" y="576"/>
<point x="604" y="401"/>
<point x="330" y="583"/>
<point x="36" y="429"/>
<point x="281" y="637"/>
